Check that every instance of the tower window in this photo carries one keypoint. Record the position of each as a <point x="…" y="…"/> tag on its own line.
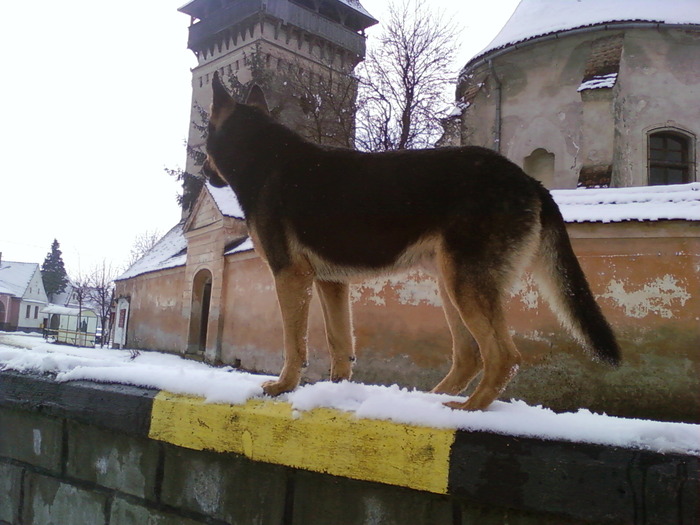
<point x="669" y="158"/>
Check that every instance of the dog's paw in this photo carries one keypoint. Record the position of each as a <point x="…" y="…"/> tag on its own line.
<point x="465" y="405"/>
<point x="275" y="388"/>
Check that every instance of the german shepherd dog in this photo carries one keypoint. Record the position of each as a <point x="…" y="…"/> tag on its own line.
<point x="329" y="216"/>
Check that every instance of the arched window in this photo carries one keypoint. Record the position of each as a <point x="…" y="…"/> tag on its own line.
<point x="669" y="158"/>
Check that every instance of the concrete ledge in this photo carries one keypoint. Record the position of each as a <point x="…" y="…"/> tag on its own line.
<point x="453" y="471"/>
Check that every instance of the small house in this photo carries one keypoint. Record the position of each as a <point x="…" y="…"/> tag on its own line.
<point x="22" y="296"/>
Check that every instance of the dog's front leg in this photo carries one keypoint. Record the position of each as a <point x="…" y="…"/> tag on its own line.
<point x="335" y="301"/>
<point x="294" y="287"/>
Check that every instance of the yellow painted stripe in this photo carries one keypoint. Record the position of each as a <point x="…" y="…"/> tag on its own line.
<point x="321" y="440"/>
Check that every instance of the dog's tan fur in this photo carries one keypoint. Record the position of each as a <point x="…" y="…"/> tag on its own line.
<point x="277" y="176"/>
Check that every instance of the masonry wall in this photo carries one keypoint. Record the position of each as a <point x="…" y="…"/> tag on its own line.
<point x="155" y="310"/>
<point x="87" y="454"/>
<point x="657" y="87"/>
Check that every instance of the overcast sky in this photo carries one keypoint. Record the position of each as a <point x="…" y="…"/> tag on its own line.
<point x="95" y="104"/>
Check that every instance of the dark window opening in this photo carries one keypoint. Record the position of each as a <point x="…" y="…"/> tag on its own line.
<point x="669" y="158"/>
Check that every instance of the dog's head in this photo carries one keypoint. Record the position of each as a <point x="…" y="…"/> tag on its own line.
<point x="222" y="107"/>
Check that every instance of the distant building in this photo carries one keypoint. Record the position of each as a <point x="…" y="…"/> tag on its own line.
<point x="589" y="92"/>
<point x="22" y="296"/>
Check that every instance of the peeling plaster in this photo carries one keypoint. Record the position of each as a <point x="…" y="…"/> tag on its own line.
<point x="661" y="296"/>
<point x="527" y="292"/>
<point x="412" y="289"/>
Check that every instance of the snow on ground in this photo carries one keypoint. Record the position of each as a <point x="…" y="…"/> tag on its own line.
<point x="29" y="353"/>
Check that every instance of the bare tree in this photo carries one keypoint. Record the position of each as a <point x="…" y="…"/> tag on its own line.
<point x="142" y="243"/>
<point x="405" y="79"/>
<point x="101" y="295"/>
<point x="326" y="98"/>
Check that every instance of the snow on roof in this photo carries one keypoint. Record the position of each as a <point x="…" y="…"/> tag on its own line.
<point x="648" y="203"/>
<point x="245" y="246"/>
<point x="535" y="18"/>
<point x="226" y="201"/>
<point x="64" y="310"/>
<point x="15" y="277"/>
<point x="169" y="252"/>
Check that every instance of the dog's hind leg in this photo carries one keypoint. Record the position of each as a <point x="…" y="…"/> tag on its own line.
<point x="466" y="361"/>
<point x="335" y="302"/>
<point x="294" y="289"/>
<point x="477" y="294"/>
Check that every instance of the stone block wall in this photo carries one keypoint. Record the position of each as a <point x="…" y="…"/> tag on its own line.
<point x="80" y="453"/>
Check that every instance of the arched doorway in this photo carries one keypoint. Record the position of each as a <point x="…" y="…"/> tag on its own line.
<point x="199" y="312"/>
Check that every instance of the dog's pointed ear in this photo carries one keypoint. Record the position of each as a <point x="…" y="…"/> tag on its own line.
<point x="222" y="103"/>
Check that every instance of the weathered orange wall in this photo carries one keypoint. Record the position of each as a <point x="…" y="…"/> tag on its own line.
<point x="155" y="310"/>
<point x="645" y="276"/>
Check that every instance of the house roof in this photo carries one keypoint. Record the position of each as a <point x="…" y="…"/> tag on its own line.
<point x="64" y="298"/>
<point x="15" y="277"/>
<point x="538" y="18"/>
<point x="357" y="6"/>
<point x="169" y="252"/>
<point x="85" y="311"/>
<point x="226" y="201"/>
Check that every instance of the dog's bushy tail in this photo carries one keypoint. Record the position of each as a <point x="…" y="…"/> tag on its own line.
<point x="564" y="285"/>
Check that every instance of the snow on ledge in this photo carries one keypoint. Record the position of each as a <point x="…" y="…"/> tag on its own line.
<point x="646" y="203"/>
<point x="599" y="82"/>
<point x="172" y="373"/>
